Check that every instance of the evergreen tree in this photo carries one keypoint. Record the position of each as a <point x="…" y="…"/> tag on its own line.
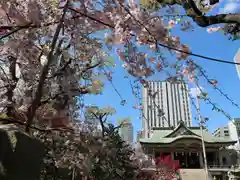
<point x="114" y="160"/>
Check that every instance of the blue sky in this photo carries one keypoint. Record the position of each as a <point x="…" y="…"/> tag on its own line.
<point x="213" y="45"/>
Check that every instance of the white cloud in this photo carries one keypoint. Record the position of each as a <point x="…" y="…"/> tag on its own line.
<point x="231" y="6"/>
<point x="194" y="92"/>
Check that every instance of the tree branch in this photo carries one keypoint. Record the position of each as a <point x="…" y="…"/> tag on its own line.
<point x="59" y="72"/>
<point x="119" y="126"/>
<point x="80" y="90"/>
<point x="17" y="28"/>
<point x="199" y="17"/>
<point x="90" y="67"/>
<point x="38" y="95"/>
<point x="12" y="85"/>
<point x="100" y="118"/>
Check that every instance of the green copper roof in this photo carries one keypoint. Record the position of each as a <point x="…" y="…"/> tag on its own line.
<point x="168" y="135"/>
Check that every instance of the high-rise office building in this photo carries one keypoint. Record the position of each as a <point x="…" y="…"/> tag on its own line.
<point x="165" y="104"/>
<point x="126" y="131"/>
<point x="237" y="60"/>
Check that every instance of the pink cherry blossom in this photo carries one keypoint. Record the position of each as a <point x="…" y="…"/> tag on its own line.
<point x="213" y="29"/>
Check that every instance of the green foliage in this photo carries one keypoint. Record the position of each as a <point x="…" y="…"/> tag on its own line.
<point x="3" y="116"/>
<point x="107" y="110"/>
<point x="150" y="4"/>
<point x="114" y="160"/>
<point x="203" y="95"/>
<point x="124" y="120"/>
<point x="12" y="139"/>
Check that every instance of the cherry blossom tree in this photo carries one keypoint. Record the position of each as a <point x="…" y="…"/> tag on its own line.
<point x="51" y="54"/>
<point x="198" y="11"/>
<point x="84" y="154"/>
<point x="165" y="169"/>
<point x="43" y="60"/>
<point x="49" y="47"/>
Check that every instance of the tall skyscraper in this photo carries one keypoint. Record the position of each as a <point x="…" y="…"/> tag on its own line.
<point x="237" y="60"/>
<point x="126" y="131"/>
<point x="165" y="104"/>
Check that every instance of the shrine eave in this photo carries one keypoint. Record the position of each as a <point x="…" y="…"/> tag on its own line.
<point x="186" y="138"/>
<point x="183" y="134"/>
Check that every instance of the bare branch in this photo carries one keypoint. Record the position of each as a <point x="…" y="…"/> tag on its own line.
<point x="90" y="67"/>
<point x="17" y="28"/>
<point x="5" y="74"/>
<point x="100" y="118"/>
<point x="12" y="85"/>
<point x="79" y="90"/>
<point x="62" y="69"/>
<point x="117" y="127"/>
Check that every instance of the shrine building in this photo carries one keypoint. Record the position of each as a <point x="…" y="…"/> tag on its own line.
<point x="185" y="145"/>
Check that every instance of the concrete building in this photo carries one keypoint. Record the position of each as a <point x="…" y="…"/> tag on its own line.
<point x="165" y="104"/>
<point x="126" y="131"/>
<point x="221" y="132"/>
<point x="139" y="135"/>
<point x="237" y="60"/>
<point x="232" y="130"/>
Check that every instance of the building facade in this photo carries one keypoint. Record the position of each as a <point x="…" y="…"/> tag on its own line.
<point x="126" y="131"/>
<point x="139" y="135"/>
<point x="232" y="130"/>
<point x="221" y="132"/>
<point x="165" y="104"/>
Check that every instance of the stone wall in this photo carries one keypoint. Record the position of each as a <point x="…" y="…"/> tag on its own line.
<point x="21" y="156"/>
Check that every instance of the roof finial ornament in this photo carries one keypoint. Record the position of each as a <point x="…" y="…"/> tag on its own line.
<point x="181" y="122"/>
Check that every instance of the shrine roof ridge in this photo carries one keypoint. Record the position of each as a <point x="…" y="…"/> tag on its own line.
<point x="182" y="132"/>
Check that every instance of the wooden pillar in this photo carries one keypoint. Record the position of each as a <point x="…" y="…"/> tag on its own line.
<point x="220" y="158"/>
<point x="186" y="159"/>
<point x="201" y="159"/>
<point x="216" y="159"/>
<point x="172" y="155"/>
